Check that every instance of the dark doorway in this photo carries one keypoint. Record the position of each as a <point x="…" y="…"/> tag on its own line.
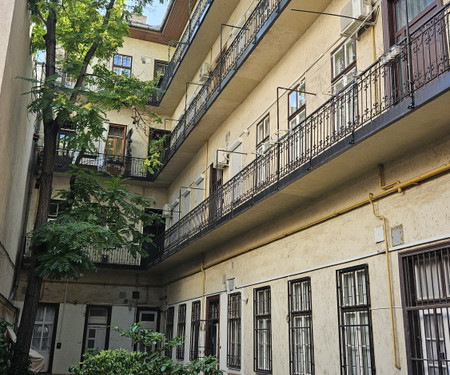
<point x="212" y="326"/>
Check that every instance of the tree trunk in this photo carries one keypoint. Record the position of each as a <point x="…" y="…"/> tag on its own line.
<point x="31" y="303"/>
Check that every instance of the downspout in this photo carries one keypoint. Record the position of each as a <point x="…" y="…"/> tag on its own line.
<point x="388" y="271"/>
<point x="20" y="254"/>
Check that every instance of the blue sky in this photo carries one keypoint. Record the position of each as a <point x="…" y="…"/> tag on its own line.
<point x="155" y="12"/>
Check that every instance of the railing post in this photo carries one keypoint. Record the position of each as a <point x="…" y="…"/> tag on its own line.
<point x="409" y="58"/>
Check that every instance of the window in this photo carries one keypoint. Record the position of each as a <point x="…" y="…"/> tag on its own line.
<point x="186" y="201"/>
<point x="63" y="142"/>
<point x="415" y="8"/>
<point x="212" y="344"/>
<point x="262" y="131"/>
<point x="43" y="333"/>
<point x="55" y="208"/>
<point x="115" y="143"/>
<point x="234" y="331"/>
<point x="343" y="67"/>
<point x="175" y="213"/>
<point x="426" y="297"/>
<point x="296" y="115"/>
<point x="262" y="144"/>
<point x="96" y="335"/>
<point x="262" y="331"/>
<point x="195" y="330"/>
<point x="169" y="328"/>
<point x="297" y="105"/>
<point x="300" y="327"/>
<point x="355" y="323"/>
<point x="160" y="68"/>
<point x="122" y="65"/>
<point x="343" y="59"/>
<point x="181" y="328"/>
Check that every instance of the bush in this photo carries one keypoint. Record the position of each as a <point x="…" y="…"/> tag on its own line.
<point x="6" y="354"/>
<point x="152" y="362"/>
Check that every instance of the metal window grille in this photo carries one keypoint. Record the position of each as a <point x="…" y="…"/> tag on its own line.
<point x="234" y="331"/>
<point x="300" y="327"/>
<point x="355" y="321"/>
<point x="262" y="331"/>
<point x="426" y="301"/>
<point x="181" y="328"/>
<point x="195" y="330"/>
<point x="169" y="328"/>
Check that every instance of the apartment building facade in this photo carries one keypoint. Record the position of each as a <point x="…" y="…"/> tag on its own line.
<point x="17" y="128"/>
<point x="304" y="185"/>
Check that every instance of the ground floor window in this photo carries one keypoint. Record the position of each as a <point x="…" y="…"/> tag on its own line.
<point x="300" y="327"/>
<point x="169" y="328"/>
<point x="234" y="331"/>
<point x="44" y="332"/>
<point x="426" y="298"/>
<point x="195" y="330"/>
<point x="181" y="329"/>
<point x="355" y="322"/>
<point x="262" y="330"/>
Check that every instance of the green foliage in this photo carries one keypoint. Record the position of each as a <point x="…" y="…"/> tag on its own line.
<point x="155" y="152"/>
<point x="5" y="349"/>
<point x="87" y="35"/>
<point x="97" y="215"/>
<point x="153" y="362"/>
<point x="6" y="353"/>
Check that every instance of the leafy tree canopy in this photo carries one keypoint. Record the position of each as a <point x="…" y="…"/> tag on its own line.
<point x="86" y="35"/>
<point x="96" y="215"/>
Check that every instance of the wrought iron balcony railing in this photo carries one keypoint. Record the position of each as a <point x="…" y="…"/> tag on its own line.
<point x="116" y="257"/>
<point x="184" y="43"/>
<point x="124" y="166"/>
<point x="226" y="65"/>
<point x="379" y="88"/>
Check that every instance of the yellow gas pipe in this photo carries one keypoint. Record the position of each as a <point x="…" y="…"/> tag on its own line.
<point x="395" y="189"/>
<point x="388" y="270"/>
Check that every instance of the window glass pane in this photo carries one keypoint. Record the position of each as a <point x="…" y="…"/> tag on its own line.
<point x="110" y="147"/>
<point x="117" y="60"/>
<point x="350" y="52"/>
<point x="126" y="61"/>
<point x="338" y="58"/>
<point x="292" y="102"/>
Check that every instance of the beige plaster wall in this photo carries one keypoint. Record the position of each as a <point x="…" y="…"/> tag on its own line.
<point x="314" y="67"/>
<point x="16" y="129"/>
<point x="321" y="250"/>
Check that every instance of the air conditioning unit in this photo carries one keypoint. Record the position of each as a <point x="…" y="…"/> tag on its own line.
<point x="359" y="9"/>
<point x="166" y="211"/>
<point x="223" y="159"/>
<point x="204" y="72"/>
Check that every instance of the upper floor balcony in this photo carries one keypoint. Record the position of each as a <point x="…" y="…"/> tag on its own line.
<point x="115" y="165"/>
<point x="240" y="68"/>
<point x="202" y="29"/>
<point x="120" y="257"/>
<point x="397" y="105"/>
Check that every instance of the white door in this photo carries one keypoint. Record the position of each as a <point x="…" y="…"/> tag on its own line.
<point x="148" y="320"/>
<point x="96" y="327"/>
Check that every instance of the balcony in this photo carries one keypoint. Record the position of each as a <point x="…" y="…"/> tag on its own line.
<point x="114" y="258"/>
<point x="238" y="72"/>
<point x="377" y="116"/>
<point x="193" y="46"/>
<point x="123" y="166"/>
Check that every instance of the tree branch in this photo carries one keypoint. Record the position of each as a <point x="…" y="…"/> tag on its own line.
<point x="90" y="53"/>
